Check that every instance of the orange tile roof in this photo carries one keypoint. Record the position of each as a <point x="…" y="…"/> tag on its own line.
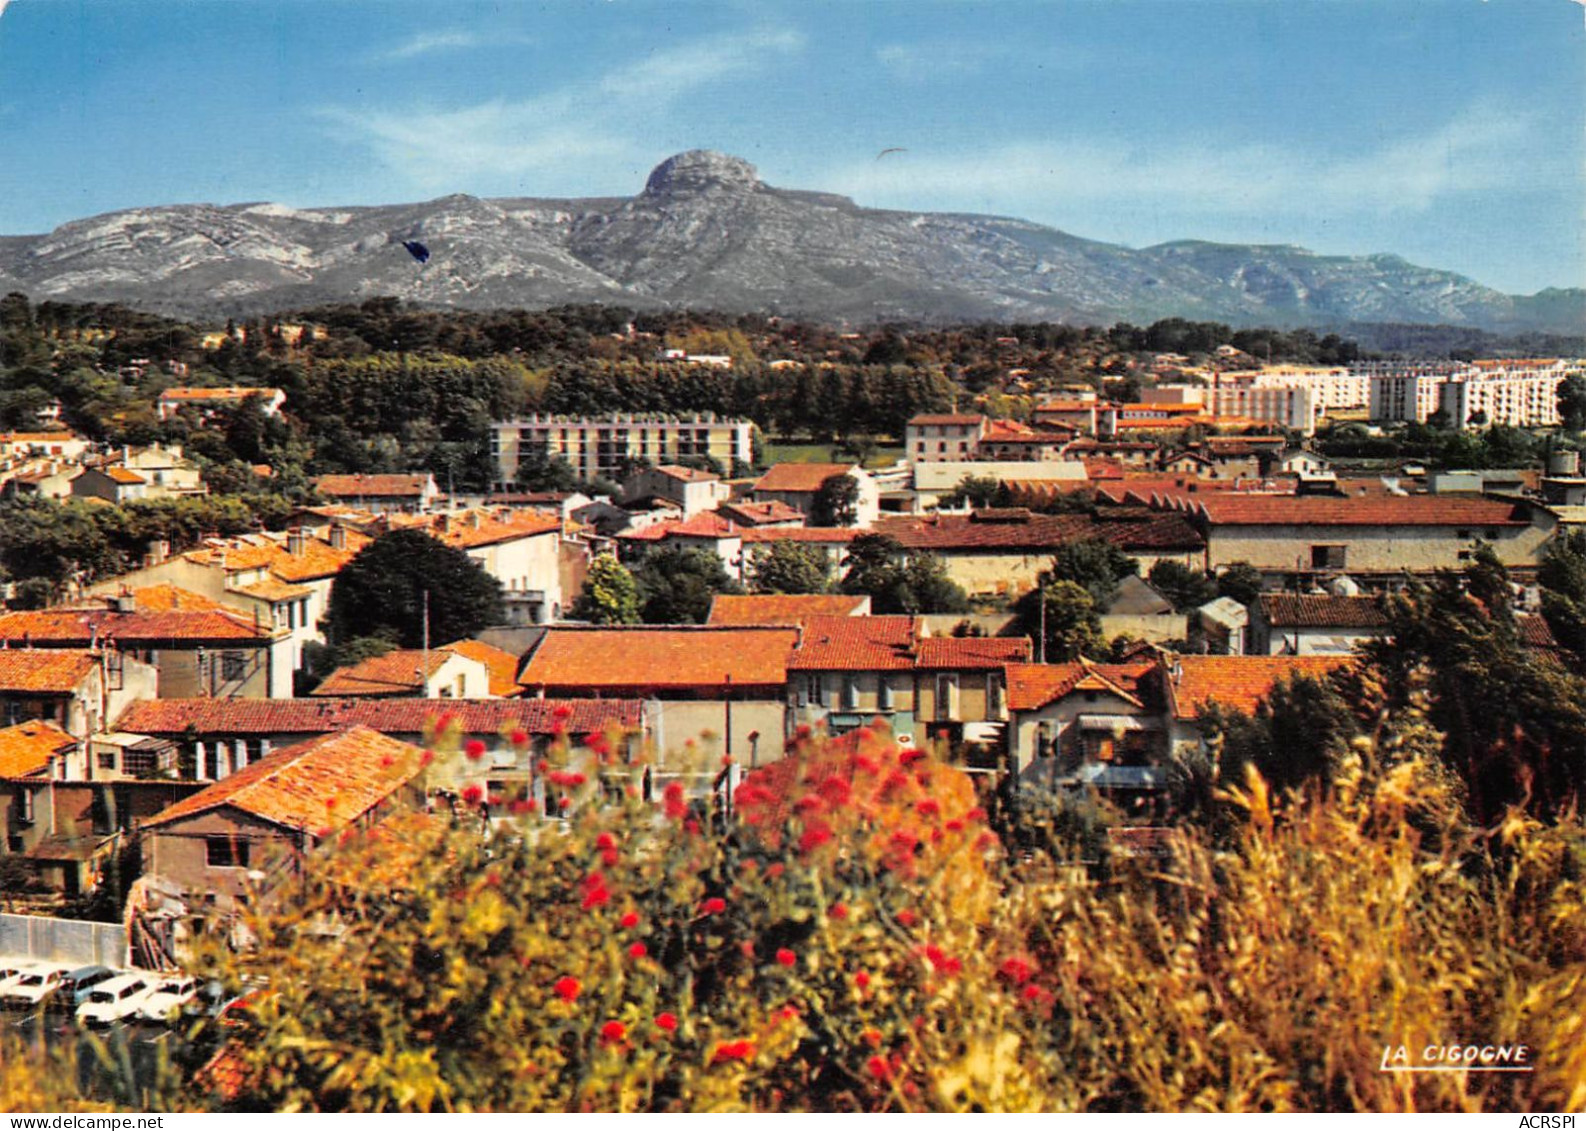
<point x="481" y="528"/>
<point x="1239" y="682"/>
<point x="44" y="671"/>
<point x="643" y="656"/>
<point x="783" y="608"/>
<point x="72" y="626"/>
<point x="800" y="477"/>
<point x="967" y="653"/>
<point x="687" y="474"/>
<point x="274" y="589"/>
<point x="828" y="534"/>
<point x="220" y="393"/>
<point x="845" y="643"/>
<point x="26" y="749"/>
<point x="706" y="524"/>
<point x="396" y="673"/>
<point x="476" y="717"/>
<point x="324" y="783"/>
<point x="318" y="559"/>
<point x="1015" y="529"/>
<point x="122" y="475"/>
<point x="1033" y="686"/>
<point x="173" y="598"/>
<point x="748" y="513"/>
<point x="946" y="418"/>
<point x="502" y="665"/>
<point x="1236" y="509"/>
<point x="373" y="486"/>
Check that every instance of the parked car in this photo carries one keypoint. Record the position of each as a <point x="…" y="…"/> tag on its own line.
<point x="170" y="996"/>
<point x="76" y="984"/>
<point x="32" y="989"/>
<point x="115" y="999"/>
<point x="15" y="969"/>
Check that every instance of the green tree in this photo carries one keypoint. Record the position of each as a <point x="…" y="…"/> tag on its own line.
<point x="899" y="582"/>
<point x="538" y="471"/>
<point x="836" y="503"/>
<point x="677" y="585"/>
<point x="1572" y="402"/>
<point x="1186" y="588"/>
<point x="979" y="491"/>
<point x="791" y="567"/>
<point x="610" y="595"/>
<point x="1072" y="626"/>
<point x="1294" y="737"/>
<point x="1562" y="576"/>
<point x="384" y="591"/>
<point x="1094" y="564"/>
<point x="1241" y="581"/>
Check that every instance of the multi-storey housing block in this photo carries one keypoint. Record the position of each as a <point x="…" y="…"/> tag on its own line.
<point x="609" y="446"/>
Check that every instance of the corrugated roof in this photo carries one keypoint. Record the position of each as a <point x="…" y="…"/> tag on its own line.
<point x="783" y="608"/>
<point x="243" y="717"/>
<point x="644" y="656"/>
<point x="323" y="783"/>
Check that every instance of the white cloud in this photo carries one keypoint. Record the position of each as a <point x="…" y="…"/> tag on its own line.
<point x="579" y="124"/>
<point x="1480" y="150"/>
<point x="935" y="59"/>
<point x="428" y="42"/>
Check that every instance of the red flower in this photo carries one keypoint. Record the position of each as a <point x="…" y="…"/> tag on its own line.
<point x="772" y="871"/>
<point x="941" y="961"/>
<point x="474" y="749"/>
<point x="956" y="825"/>
<point x="673" y="796"/>
<point x="976" y="814"/>
<point x="630" y="919"/>
<point x="667" y="1022"/>
<point x="605" y="841"/>
<point x="786" y="957"/>
<point x="789" y="1013"/>
<point x="1017" y="970"/>
<point x="906" y="917"/>
<point x="803" y="731"/>
<point x="877" y="1067"/>
<point x="521" y="805"/>
<point x="928" y="808"/>
<point x="561" y="711"/>
<point x="814" y="837"/>
<point x="638" y="950"/>
<point x="872" y="1037"/>
<point x="473" y="795"/>
<point x="838" y="911"/>
<point x="862" y="980"/>
<point x="427" y="757"/>
<point x="519" y="738"/>
<point x="868" y="765"/>
<point x="910" y="755"/>
<point x="809" y="803"/>
<point x="568" y="988"/>
<point x="732" y="1050"/>
<point x="613" y="1032"/>
<point x="715" y="905"/>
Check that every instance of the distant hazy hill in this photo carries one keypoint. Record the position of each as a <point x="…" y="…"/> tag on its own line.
<point x="705" y="232"/>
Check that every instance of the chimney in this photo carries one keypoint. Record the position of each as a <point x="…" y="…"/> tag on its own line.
<point x="294" y="541"/>
<point x="338" y="536"/>
<point x="475" y="519"/>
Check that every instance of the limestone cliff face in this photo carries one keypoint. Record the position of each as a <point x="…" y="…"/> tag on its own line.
<point x="707" y="232"/>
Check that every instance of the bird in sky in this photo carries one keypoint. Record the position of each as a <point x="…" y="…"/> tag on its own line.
<point x="890" y="149"/>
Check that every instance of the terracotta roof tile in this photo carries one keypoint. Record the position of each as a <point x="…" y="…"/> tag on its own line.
<point x="371" y="486"/>
<point x="972" y="652"/>
<point x="800" y="477"/>
<point x="1293" y="610"/>
<point x="687" y="474"/>
<point x="243" y="717"/>
<point x="643" y="656"/>
<point x="397" y="673"/>
<point x="317" y="560"/>
<point x="1239" y="682"/>
<point x="1040" y="532"/>
<point x="747" y="513"/>
<point x="474" y="528"/>
<point x="45" y="671"/>
<point x="831" y="535"/>
<point x="1033" y="686"/>
<point x="323" y="783"/>
<point x="26" y="749"/>
<point x="502" y="665"/>
<point x="80" y="626"/>
<point x="783" y="608"/>
<point x="173" y="598"/>
<point x="946" y="418"/>
<point x="847" y="643"/>
<point x="706" y="524"/>
<point x="1236" y="509"/>
<point x="122" y="475"/>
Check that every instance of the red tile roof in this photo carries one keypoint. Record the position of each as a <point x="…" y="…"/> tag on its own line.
<point x="783" y="608"/>
<point x="687" y="474"/>
<point x="318" y="558"/>
<point x="1294" y="610"/>
<point x="502" y="665"/>
<point x="44" y="671"/>
<point x="845" y="643"/>
<point x="800" y="477"/>
<point x="706" y="524"/>
<point x="1033" y="686"/>
<point x="1013" y="529"/>
<point x="827" y="534"/>
<point x="173" y="598"/>
<point x="242" y="717"/>
<point x="747" y="513"/>
<point x="644" y="656"/>
<point x="1239" y="682"/>
<point x="946" y="418"/>
<point x="967" y="653"/>
<point x="122" y="475"/>
<point x="396" y="673"/>
<point x="371" y="486"/>
<point x="80" y="626"/>
<point x="323" y="783"/>
<point x="26" y="749"/>
<point x="474" y="528"/>
<point x="1236" y="509"/>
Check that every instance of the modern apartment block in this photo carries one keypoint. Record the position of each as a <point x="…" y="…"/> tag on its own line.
<point x="1522" y="393"/>
<point x="607" y="446"/>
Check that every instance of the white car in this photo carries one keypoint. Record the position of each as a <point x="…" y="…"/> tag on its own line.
<point x="13" y="970"/>
<point x="32" y="988"/>
<point x="115" y="1000"/>
<point x="168" y="998"/>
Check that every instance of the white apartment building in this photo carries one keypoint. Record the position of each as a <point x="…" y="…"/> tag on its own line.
<point x="1519" y="393"/>
<point x="1408" y="395"/>
<point x="605" y="446"/>
<point x="1286" y="406"/>
<point x="1331" y="386"/>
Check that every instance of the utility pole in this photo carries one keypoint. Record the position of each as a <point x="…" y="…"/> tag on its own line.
<point x="1040" y="639"/>
<point x="424" y="674"/>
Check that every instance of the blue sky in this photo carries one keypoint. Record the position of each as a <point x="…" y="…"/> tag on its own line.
<point x="1452" y="132"/>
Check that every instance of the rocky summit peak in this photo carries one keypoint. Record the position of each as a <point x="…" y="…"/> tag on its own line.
<point x="700" y="169"/>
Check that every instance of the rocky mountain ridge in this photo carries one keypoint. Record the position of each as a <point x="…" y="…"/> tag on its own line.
<point x="706" y="232"/>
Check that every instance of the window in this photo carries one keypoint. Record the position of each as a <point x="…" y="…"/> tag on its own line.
<point x="25" y="796"/>
<point x="994" y="705"/>
<point x="947" y="697"/>
<point x="1462" y="534"/>
<point x="233" y="666"/>
<point x="884" y="695"/>
<point x="850" y="693"/>
<point x="1327" y="557"/>
<point x="225" y="852"/>
<point x="107" y="759"/>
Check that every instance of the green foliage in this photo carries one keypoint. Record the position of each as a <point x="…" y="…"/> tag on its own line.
<point x="1094" y="564"/>
<point x="610" y="596"/>
<point x="790" y="567"/>
<point x="538" y="471"/>
<point x="1572" y="403"/>
<point x="1562" y="577"/>
<point x="836" y="503"/>
<point x="676" y="585"/>
<point x="1186" y="588"/>
<point x="979" y="491"/>
<point x="1294" y="738"/>
<point x="899" y="582"/>
<point x="1073" y="626"/>
<point x="383" y="591"/>
<point x="1241" y="581"/>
